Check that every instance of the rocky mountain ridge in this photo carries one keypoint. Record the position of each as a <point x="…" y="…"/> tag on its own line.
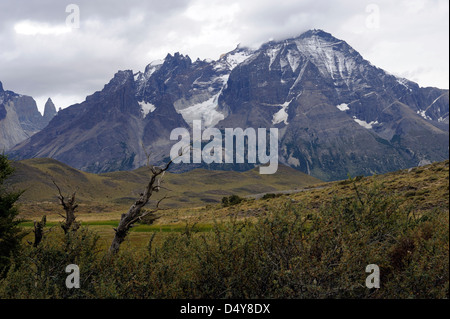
<point x="20" y="117"/>
<point x="336" y="112"/>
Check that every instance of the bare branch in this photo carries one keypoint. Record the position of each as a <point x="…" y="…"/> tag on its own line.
<point x="69" y="208"/>
<point x="39" y="230"/>
<point x="59" y="190"/>
<point x="135" y="212"/>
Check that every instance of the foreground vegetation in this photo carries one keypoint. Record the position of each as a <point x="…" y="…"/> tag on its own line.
<point x="313" y="244"/>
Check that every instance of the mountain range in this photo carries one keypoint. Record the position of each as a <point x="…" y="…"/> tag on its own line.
<point x="20" y="117"/>
<point x="337" y="114"/>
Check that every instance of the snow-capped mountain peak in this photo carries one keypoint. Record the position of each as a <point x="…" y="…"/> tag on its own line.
<point x="336" y="112"/>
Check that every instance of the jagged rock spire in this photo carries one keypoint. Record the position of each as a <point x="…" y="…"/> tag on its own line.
<point x="49" y="110"/>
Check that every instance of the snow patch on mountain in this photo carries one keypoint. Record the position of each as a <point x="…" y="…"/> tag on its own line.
<point x="423" y="114"/>
<point x="364" y="123"/>
<point x="443" y="119"/>
<point x="281" y="115"/>
<point x="222" y="79"/>
<point x="293" y="161"/>
<point x="404" y="82"/>
<point x="236" y="58"/>
<point x="293" y="58"/>
<point x="146" y="108"/>
<point x="205" y="111"/>
<point x="141" y="78"/>
<point x="272" y="54"/>
<point x="343" y="107"/>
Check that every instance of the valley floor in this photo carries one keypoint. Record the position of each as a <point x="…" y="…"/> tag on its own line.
<point x="424" y="188"/>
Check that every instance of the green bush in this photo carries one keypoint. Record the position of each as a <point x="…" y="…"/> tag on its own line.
<point x="271" y="195"/>
<point x="39" y="272"/>
<point x="231" y="200"/>
<point x="10" y="233"/>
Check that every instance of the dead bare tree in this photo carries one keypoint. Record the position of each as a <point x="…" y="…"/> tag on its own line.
<point x="136" y="213"/>
<point x="69" y="207"/>
<point x="39" y="230"/>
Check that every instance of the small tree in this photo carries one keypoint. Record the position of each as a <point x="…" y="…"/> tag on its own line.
<point x="10" y="233"/>
<point x="225" y="201"/>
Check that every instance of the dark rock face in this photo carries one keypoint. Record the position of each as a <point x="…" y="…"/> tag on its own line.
<point x="337" y="114"/>
<point x="2" y="112"/>
<point x="104" y="133"/>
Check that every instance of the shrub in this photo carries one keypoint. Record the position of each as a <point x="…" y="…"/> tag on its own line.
<point x="10" y="233"/>
<point x="271" y="195"/>
<point x="39" y="272"/>
<point x="231" y="200"/>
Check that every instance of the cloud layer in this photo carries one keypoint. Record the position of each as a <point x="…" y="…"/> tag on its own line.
<point x="43" y="56"/>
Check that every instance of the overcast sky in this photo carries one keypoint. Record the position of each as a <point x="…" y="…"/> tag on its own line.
<point x="44" y="53"/>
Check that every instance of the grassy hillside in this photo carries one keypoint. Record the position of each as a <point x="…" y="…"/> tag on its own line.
<point x="422" y="189"/>
<point x="114" y="192"/>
